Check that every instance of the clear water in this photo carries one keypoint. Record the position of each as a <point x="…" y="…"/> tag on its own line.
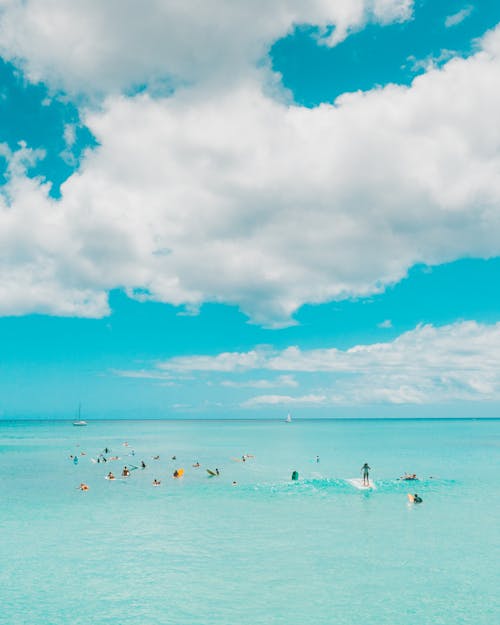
<point x="267" y="551"/>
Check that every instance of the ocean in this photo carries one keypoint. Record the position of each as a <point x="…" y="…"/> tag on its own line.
<point x="266" y="550"/>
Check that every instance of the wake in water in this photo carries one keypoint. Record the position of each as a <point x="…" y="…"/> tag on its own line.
<point x="350" y="486"/>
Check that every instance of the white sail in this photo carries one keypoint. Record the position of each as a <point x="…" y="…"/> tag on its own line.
<point x="288" y="418"/>
<point x="79" y="420"/>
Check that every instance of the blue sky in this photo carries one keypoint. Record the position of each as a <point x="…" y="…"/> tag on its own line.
<point x="292" y="214"/>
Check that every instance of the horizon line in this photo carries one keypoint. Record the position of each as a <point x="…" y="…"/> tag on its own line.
<point x="245" y="419"/>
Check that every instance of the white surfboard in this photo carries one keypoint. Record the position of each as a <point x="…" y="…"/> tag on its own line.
<point x="357" y="482"/>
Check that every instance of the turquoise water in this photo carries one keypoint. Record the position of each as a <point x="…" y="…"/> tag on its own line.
<point x="267" y="551"/>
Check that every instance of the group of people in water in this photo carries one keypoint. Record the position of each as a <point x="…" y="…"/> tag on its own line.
<point x="178" y="473"/>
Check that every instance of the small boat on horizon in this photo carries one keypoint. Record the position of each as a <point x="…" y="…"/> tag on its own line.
<point x="79" y="421"/>
<point x="288" y="418"/>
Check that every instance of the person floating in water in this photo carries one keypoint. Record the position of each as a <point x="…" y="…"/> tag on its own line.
<point x="196" y="465"/>
<point x="408" y="477"/>
<point x="111" y="476"/>
<point x="143" y="464"/>
<point x="125" y="472"/>
<point x="417" y="498"/>
<point x="365" y="469"/>
<point x="217" y="471"/>
<point x="156" y="482"/>
<point x="83" y="486"/>
<point x="295" y="476"/>
<point x="317" y="458"/>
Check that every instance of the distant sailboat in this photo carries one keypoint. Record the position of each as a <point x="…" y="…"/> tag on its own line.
<point x="80" y="420"/>
<point x="288" y="418"/>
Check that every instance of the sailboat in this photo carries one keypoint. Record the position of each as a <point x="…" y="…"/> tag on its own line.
<point x="80" y="420"/>
<point x="288" y="418"/>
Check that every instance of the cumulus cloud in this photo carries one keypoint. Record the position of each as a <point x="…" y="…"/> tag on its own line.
<point x="36" y="242"/>
<point x="426" y="365"/>
<point x="242" y="199"/>
<point x="100" y="47"/>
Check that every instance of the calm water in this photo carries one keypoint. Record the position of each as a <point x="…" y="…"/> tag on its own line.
<point x="267" y="551"/>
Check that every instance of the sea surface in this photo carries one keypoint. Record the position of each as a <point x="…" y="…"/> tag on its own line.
<point x="200" y="550"/>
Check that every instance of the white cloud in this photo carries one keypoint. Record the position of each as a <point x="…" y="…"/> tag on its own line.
<point x="238" y="198"/>
<point x="385" y="324"/>
<point x="35" y="243"/>
<point x="94" y="46"/>
<point x="432" y="61"/>
<point x="227" y="361"/>
<point x="387" y="11"/>
<point x="426" y="365"/>
<point x="282" y="380"/>
<point x="457" y="18"/>
<point x="283" y="399"/>
<point x="148" y="374"/>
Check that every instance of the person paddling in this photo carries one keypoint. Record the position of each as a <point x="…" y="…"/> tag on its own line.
<point x="366" y="475"/>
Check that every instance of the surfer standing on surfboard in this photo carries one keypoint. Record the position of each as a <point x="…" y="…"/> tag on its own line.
<point x="366" y="477"/>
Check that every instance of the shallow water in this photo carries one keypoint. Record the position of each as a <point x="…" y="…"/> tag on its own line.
<point x="267" y="551"/>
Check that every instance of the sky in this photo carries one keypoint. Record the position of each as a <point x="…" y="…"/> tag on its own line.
<point x="240" y="210"/>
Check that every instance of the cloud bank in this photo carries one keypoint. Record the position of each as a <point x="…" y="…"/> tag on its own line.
<point x="233" y="195"/>
<point x="427" y="365"/>
<point x="99" y="47"/>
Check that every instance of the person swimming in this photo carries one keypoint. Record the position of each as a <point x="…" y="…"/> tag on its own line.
<point x="417" y="498"/>
<point x="143" y="464"/>
<point x="366" y="474"/>
<point x="295" y="476"/>
<point x="110" y="476"/>
<point x="156" y="482"/>
<point x="125" y="472"/>
<point x="196" y="465"/>
<point x="83" y="486"/>
<point x="408" y="477"/>
<point x="217" y="471"/>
